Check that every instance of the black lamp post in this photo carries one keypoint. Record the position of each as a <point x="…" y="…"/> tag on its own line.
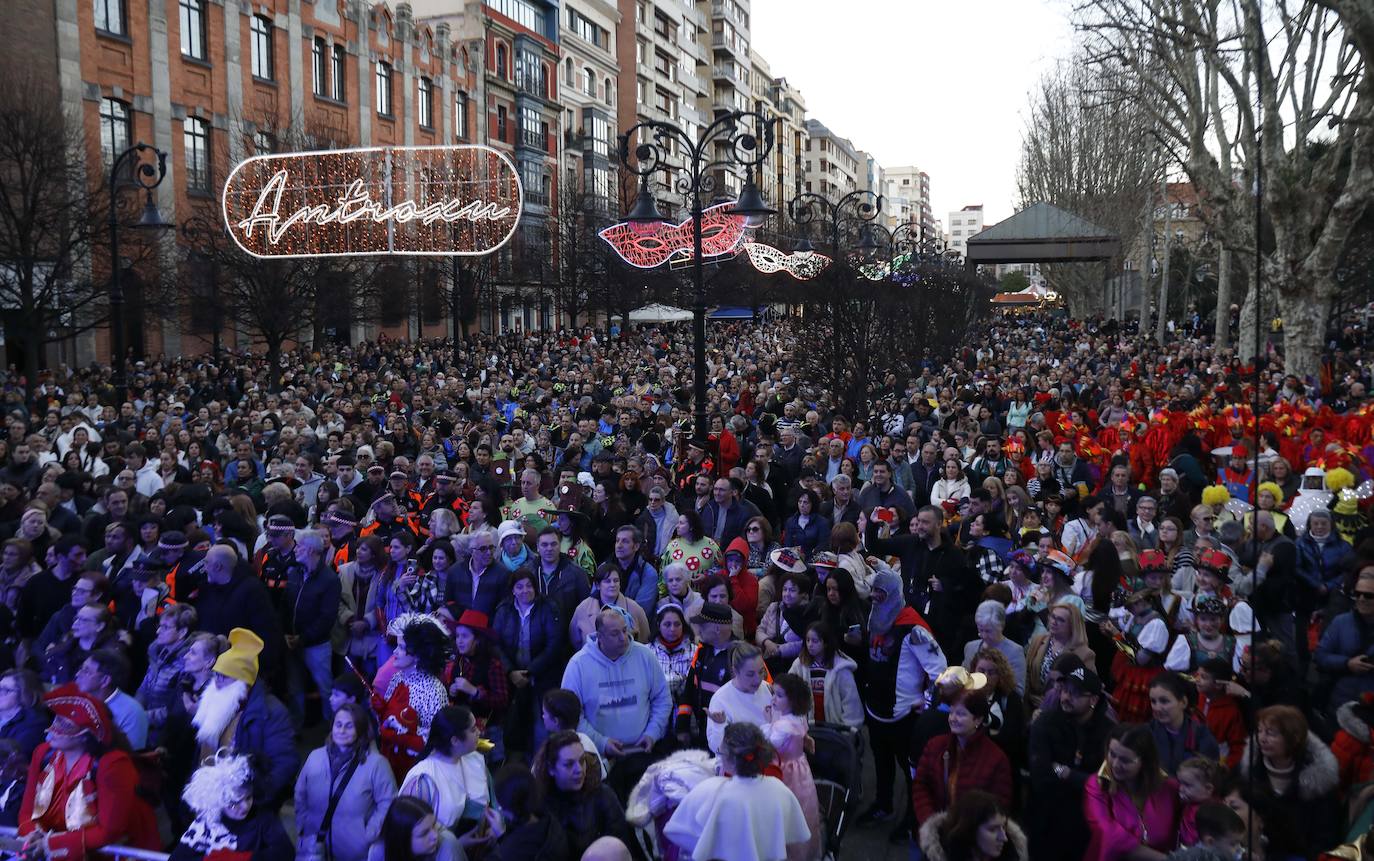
<point x="147" y="175"/>
<point x="737" y="138"/>
<point x="857" y="208"/>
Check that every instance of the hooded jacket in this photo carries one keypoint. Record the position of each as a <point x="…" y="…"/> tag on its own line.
<point x="840" y="690"/>
<point x="886" y="632"/>
<point x="622" y="699"/>
<point x="1017" y="849"/>
<point x="1353" y="745"/>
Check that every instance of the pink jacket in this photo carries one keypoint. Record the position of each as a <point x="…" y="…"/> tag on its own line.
<point x="1118" y="827"/>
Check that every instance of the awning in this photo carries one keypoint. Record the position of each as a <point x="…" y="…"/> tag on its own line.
<point x="1016" y="299"/>
<point x="657" y="313"/>
<point x="732" y="312"/>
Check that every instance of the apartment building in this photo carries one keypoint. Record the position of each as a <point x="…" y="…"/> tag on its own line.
<point x="908" y="191"/>
<point x="663" y="50"/>
<point x="211" y="84"/>
<point x="963" y="224"/>
<point x="831" y="164"/>
<point x="591" y="78"/>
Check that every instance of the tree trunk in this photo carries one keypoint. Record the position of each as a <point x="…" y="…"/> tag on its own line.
<point x="1305" y="314"/>
<point x="1223" y="327"/>
<point x="274" y="363"/>
<point x="1246" y="348"/>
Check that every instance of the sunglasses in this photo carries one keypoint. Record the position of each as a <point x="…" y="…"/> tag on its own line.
<point x="1362" y="596"/>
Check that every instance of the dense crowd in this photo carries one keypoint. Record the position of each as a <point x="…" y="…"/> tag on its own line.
<point x="495" y="599"/>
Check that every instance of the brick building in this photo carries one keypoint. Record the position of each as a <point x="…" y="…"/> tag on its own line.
<point x="211" y="84"/>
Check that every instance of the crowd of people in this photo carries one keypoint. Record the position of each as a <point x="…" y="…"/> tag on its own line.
<point x="1063" y="595"/>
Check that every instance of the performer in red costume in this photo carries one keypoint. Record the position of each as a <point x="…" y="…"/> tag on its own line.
<point x="415" y="692"/>
<point x="82" y="788"/>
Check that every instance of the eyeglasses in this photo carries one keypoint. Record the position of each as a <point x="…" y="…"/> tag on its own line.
<point x="1362" y="596"/>
<point x="755" y="529"/>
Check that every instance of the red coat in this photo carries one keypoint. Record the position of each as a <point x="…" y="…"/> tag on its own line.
<point x="1222" y="716"/>
<point x="945" y="772"/>
<point x="120" y="815"/>
<point x="1353" y="745"/>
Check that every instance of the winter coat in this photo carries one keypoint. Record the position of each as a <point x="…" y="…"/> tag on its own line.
<point x="312" y="604"/>
<point x="1118" y="827"/>
<point x="811" y="538"/>
<point x="1193" y="739"/>
<point x="584" y="619"/>
<point x="491" y="589"/>
<point x="1353" y="745"/>
<point x="946" y="771"/>
<point x="585" y="816"/>
<point x="27" y="729"/>
<point x="363" y="802"/>
<point x="542" y="839"/>
<point x="1017" y="848"/>
<point x="243" y="602"/>
<point x="840" y="690"/>
<point x="548" y="646"/>
<point x="1323" y="564"/>
<point x="1310" y="800"/>
<point x="1348" y="635"/>
<point x="159" y="685"/>
<point x="1059" y="829"/>
<point x="265" y="732"/>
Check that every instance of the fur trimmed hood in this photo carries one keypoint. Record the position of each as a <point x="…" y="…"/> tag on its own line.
<point x="1354" y="718"/>
<point x="1318" y="773"/>
<point x="1017" y="848"/>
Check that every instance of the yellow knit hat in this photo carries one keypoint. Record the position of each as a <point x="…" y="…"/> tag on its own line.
<point x="1339" y="479"/>
<point x="240" y="662"/>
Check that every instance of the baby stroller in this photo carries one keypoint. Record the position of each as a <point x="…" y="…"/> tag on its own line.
<point x="836" y="767"/>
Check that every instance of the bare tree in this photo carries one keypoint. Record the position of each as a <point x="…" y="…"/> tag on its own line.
<point x="53" y="226"/>
<point x="1090" y="153"/>
<point x="1288" y="82"/>
<point x="581" y="255"/>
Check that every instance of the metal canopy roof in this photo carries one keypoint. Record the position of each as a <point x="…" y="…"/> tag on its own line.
<point x="1042" y="233"/>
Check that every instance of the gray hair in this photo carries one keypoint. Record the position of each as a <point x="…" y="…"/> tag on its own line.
<point x="841" y="480"/>
<point x="312" y="539"/>
<point x="990" y="613"/>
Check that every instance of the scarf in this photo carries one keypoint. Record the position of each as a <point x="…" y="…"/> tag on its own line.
<point x="513" y="562"/>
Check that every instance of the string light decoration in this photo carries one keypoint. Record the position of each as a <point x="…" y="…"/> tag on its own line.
<point x="875" y="271"/>
<point x="646" y="246"/>
<point x="802" y="265"/>
<point x="435" y="200"/>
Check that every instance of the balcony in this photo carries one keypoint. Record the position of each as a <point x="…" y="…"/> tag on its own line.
<point x="733" y="44"/>
<point x="730" y="73"/>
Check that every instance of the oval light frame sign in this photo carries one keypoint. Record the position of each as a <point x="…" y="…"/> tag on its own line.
<point x="461" y="200"/>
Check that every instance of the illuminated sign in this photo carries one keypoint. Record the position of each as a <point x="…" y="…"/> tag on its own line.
<point x="648" y="245"/>
<point x="802" y="265"/>
<point x="433" y="200"/>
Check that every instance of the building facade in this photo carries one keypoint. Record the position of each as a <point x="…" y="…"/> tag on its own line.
<point x="591" y="77"/>
<point x="963" y="224"/>
<point x="831" y="164"/>
<point x="211" y="84"/>
<point x="908" y="190"/>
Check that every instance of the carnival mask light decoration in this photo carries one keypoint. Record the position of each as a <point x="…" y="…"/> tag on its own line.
<point x="646" y="246"/>
<point x="802" y="265"/>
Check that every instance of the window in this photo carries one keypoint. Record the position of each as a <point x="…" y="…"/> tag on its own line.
<point x="115" y="130"/>
<point x="196" y="140"/>
<point x="568" y="72"/>
<point x="109" y="17"/>
<point x="522" y="12"/>
<point x="319" y="64"/>
<point x="263" y="144"/>
<point x="530" y="76"/>
<point x="384" y="89"/>
<point x="501" y="123"/>
<point x="589" y="82"/>
<point x="340" y="67"/>
<point x="425" y="103"/>
<point x="460" y="115"/>
<point x="607" y="92"/>
<point x="529" y="127"/>
<point x="583" y="27"/>
<point x="193" y="29"/>
<point x="532" y="177"/>
<point x="501" y="62"/>
<point x="262" y="48"/>
<point x="598" y="129"/>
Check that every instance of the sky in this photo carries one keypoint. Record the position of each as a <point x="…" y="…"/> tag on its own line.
<point x="941" y="84"/>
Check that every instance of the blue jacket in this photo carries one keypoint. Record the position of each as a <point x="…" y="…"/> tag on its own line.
<point x="265" y="733"/>
<point x="1323" y="565"/>
<point x="812" y="538"/>
<point x="640" y="582"/>
<point x="1347" y="636"/>
<point x="312" y="604"/>
<point x="27" y="729"/>
<point x="548" y="640"/>
<point x="735" y="519"/>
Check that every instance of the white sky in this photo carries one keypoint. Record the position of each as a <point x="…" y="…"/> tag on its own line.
<point x="941" y="84"/>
